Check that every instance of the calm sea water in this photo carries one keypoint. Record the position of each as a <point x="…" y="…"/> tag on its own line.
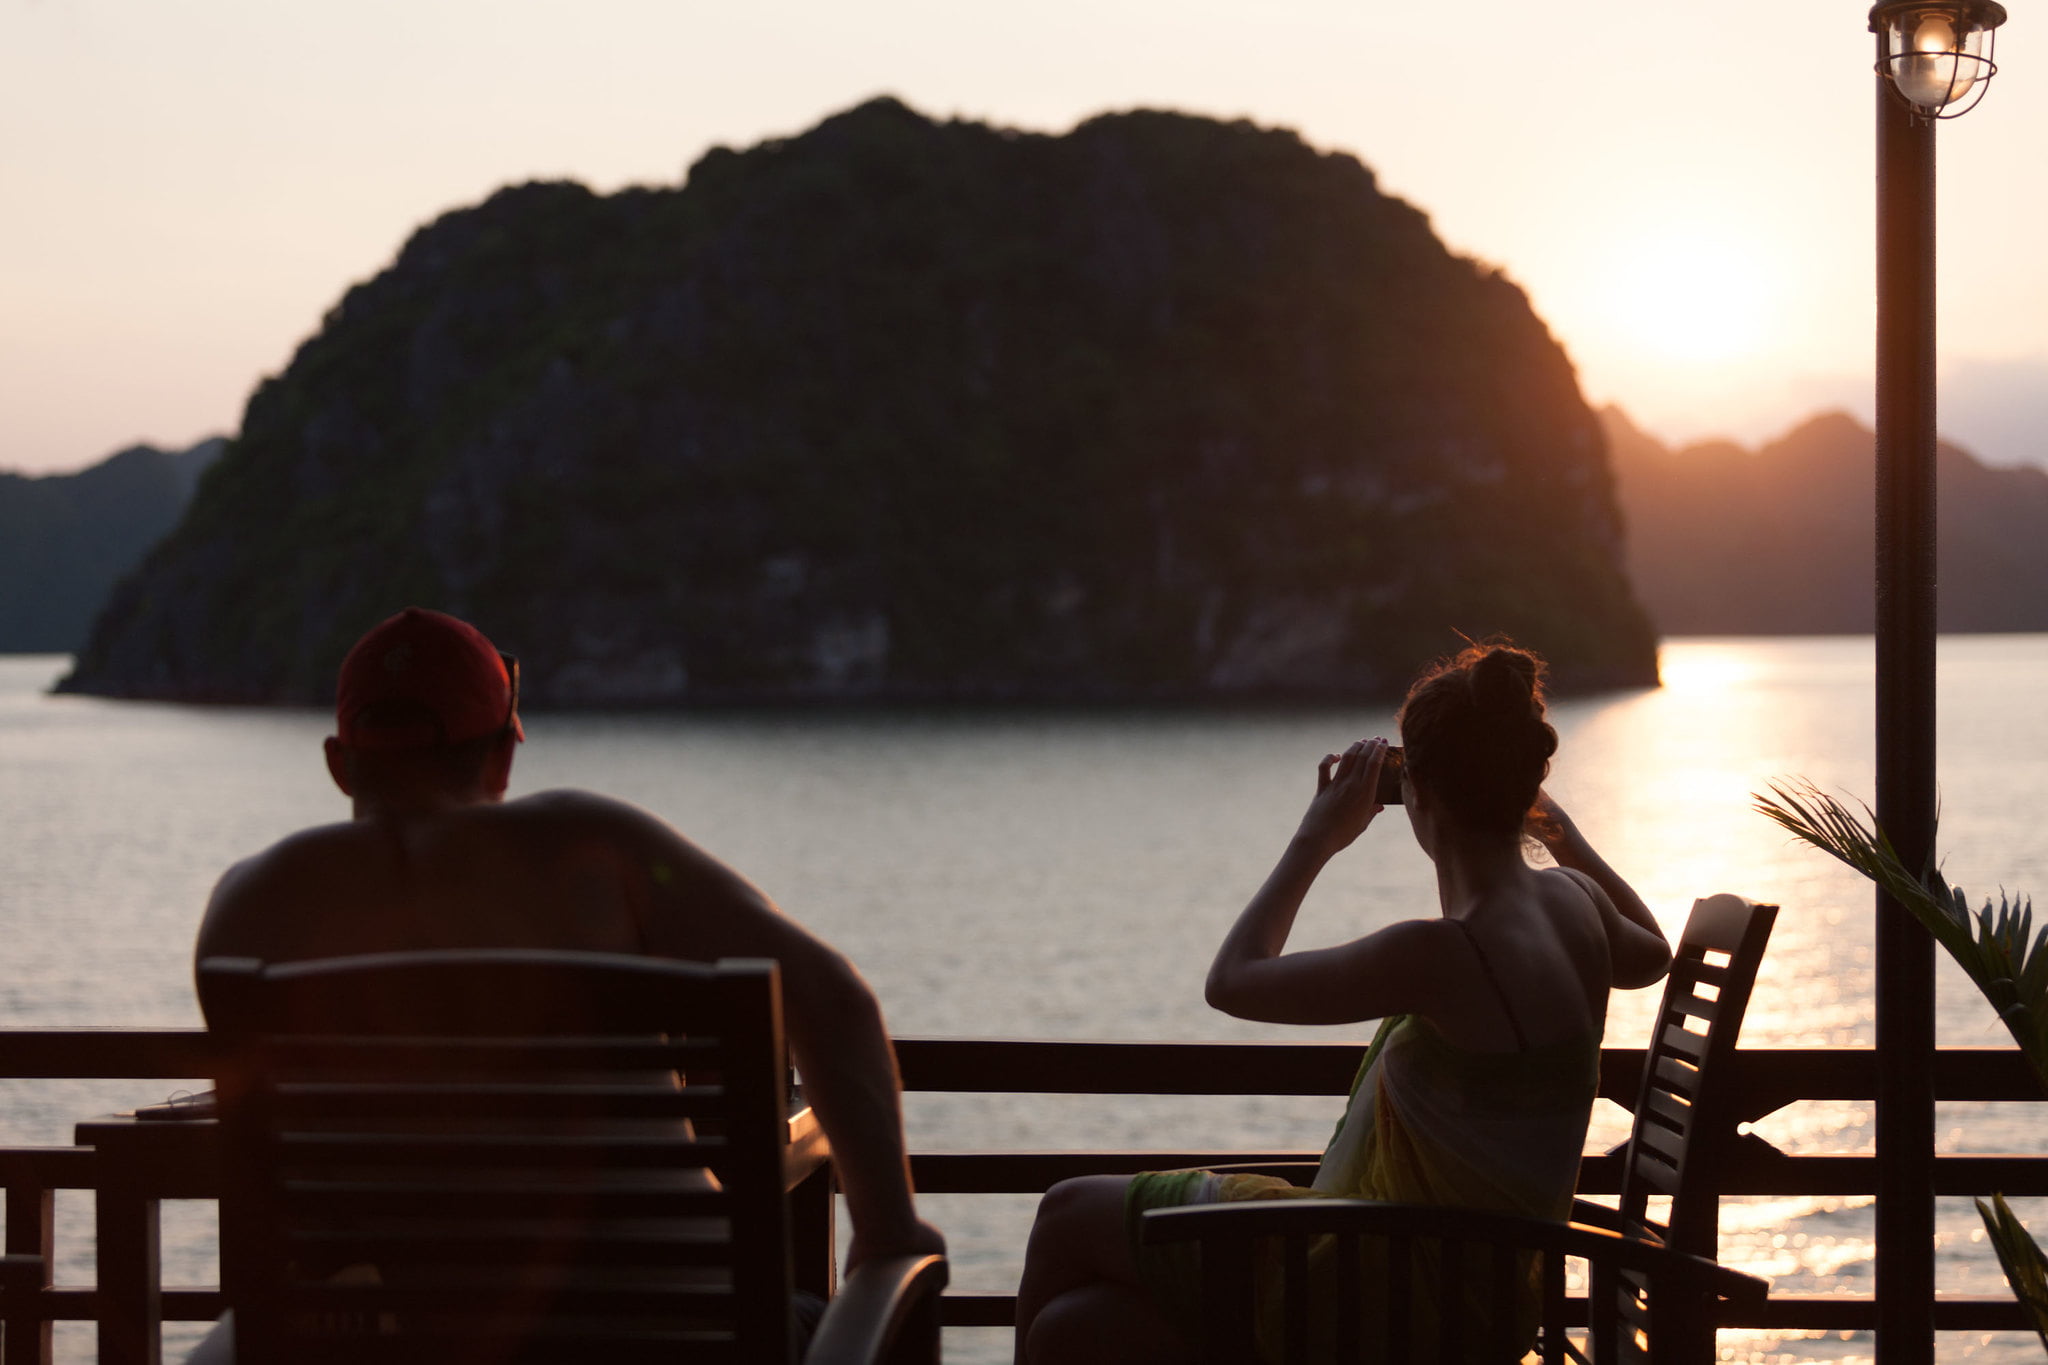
<point x="1058" y="874"/>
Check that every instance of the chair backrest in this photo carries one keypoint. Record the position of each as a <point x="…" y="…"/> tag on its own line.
<point x="1289" y="1281"/>
<point x="1683" y="1114"/>
<point x="473" y="1156"/>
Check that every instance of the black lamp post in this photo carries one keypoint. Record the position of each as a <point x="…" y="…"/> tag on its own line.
<point x="1934" y="60"/>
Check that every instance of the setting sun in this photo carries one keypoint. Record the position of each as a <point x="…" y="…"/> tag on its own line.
<point x="1692" y="296"/>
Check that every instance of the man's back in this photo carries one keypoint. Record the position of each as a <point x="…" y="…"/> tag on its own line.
<point x="554" y="870"/>
<point x="427" y="720"/>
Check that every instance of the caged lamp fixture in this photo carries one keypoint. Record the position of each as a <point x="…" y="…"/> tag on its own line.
<point x="1937" y="52"/>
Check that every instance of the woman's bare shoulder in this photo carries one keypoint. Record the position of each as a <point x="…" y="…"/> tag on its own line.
<point x="1583" y="887"/>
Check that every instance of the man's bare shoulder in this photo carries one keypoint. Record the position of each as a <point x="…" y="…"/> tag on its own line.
<point x="574" y="812"/>
<point x="292" y="855"/>
<point x="570" y="803"/>
<point x="242" y="913"/>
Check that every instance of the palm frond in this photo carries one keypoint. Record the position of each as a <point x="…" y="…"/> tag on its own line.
<point x="1997" y="947"/>
<point x="2026" y="1269"/>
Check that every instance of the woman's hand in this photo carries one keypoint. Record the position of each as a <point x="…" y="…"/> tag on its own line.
<point x="1347" y="788"/>
<point x="1547" y="823"/>
<point x="1254" y="977"/>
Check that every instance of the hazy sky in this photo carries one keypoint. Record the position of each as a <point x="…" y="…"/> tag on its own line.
<point x="1684" y="190"/>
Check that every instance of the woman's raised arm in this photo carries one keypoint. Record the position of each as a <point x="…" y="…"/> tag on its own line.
<point x="1638" y="953"/>
<point x="1253" y="977"/>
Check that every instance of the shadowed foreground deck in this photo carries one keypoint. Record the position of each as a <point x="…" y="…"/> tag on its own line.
<point x="1768" y="1079"/>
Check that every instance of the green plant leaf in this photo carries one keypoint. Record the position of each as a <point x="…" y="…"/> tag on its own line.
<point x="2026" y="1268"/>
<point x="1996" y="946"/>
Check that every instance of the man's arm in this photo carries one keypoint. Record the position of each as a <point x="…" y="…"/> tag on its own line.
<point x="236" y="924"/>
<point x="842" y="1048"/>
<point x="698" y="909"/>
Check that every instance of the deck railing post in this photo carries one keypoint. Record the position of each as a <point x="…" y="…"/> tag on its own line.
<point x="25" y="1337"/>
<point x="1905" y="721"/>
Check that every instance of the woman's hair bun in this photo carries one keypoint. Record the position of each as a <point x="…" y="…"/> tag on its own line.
<point x="1505" y="681"/>
<point x="1476" y="735"/>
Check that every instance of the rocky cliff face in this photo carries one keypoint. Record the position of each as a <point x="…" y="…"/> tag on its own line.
<point x="1161" y="408"/>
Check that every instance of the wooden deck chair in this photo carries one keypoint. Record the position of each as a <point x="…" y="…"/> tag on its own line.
<point x="1381" y="1272"/>
<point x="1685" y="1105"/>
<point x="487" y="1156"/>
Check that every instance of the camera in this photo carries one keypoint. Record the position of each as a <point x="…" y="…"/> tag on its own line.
<point x="1391" y="764"/>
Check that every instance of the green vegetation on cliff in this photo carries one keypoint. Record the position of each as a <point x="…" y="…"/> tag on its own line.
<point x="1163" y="407"/>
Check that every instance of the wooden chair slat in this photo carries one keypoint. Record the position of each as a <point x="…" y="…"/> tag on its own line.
<point x="455" y="1056"/>
<point x="1451" y="1247"/>
<point x="1675" y="1109"/>
<point x="1294" y="1293"/>
<point x="506" y="1200"/>
<point x="1400" y="1297"/>
<point x="1653" y="1178"/>
<point x="1692" y="1006"/>
<point x="1554" y="1342"/>
<point x="457" y="1157"/>
<point x="328" y="1103"/>
<point x="539" y="1151"/>
<point x="1507" y="1267"/>
<point x="1350" y="1301"/>
<point x="480" y="1305"/>
<point x="577" y="1247"/>
<point x="1681" y="1047"/>
<point x="477" y="1347"/>
<point x="1660" y="1145"/>
<point x="1450" y="1281"/>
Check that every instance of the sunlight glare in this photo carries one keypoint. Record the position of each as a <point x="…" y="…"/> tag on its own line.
<point x="1697" y="666"/>
<point x="1688" y="295"/>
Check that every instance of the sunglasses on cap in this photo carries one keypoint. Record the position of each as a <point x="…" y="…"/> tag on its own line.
<point x="511" y="662"/>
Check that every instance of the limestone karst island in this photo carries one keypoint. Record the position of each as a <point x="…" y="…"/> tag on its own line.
<point x="1160" y="409"/>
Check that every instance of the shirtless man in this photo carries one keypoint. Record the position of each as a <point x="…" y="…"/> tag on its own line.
<point x="427" y="720"/>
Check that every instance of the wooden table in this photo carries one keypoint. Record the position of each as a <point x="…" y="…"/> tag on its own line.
<point x="143" y="1162"/>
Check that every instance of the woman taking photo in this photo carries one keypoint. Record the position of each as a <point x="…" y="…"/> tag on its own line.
<point x="1476" y="1090"/>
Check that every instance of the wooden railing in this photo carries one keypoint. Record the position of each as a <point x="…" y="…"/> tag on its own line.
<point x="1768" y="1079"/>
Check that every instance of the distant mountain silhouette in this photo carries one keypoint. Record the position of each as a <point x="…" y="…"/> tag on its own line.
<point x="1161" y="408"/>
<point x="1781" y="540"/>
<point x="65" y="539"/>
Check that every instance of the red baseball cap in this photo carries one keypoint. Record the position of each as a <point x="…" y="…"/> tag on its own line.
<point x="447" y="682"/>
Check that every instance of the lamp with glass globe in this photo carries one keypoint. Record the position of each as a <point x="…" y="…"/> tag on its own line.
<point x="1938" y="54"/>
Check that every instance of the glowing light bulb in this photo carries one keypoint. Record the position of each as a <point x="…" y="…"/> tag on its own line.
<point x="1936" y="69"/>
<point x="1934" y="34"/>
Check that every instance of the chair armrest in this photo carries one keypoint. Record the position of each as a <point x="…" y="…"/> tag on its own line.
<point x="1597" y="1215"/>
<point x="887" y="1310"/>
<point x="1588" y="1213"/>
<point x="1738" y="1289"/>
